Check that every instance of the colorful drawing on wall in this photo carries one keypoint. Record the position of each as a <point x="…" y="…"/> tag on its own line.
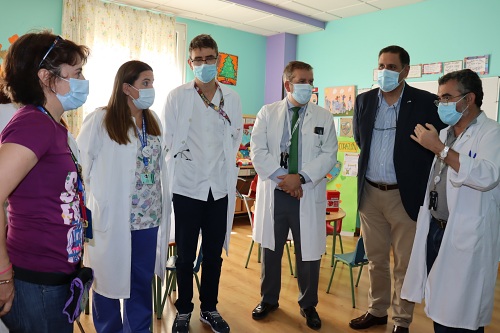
<point x="227" y="69"/>
<point x="350" y="167"/>
<point x="340" y="100"/>
<point x="315" y="96"/>
<point x="334" y="172"/>
<point x="346" y="127"/>
<point x="3" y="50"/>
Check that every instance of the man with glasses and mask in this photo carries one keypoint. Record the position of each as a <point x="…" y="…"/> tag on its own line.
<point x="293" y="147"/>
<point x="202" y="123"/>
<point x="455" y="255"/>
<point x="392" y="174"/>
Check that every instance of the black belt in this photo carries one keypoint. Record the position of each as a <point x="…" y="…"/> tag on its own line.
<point x="43" y="278"/>
<point x="441" y="223"/>
<point x="383" y="187"/>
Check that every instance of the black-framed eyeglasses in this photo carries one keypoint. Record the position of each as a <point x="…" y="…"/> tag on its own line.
<point x="58" y="38"/>
<point x="446" y="100"/>
<point x="210" y="60"/>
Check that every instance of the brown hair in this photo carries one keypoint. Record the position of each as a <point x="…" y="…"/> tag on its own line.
<point x="118" y="119"/>
<point x="203" y="41"/>
<point x="292" y="66"/>
<point x="4" y="99"/>
<point x="26" y="56"/>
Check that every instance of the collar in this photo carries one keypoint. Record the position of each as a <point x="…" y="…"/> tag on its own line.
<point x="381" y="97"/>
<point x="290" y="106"/>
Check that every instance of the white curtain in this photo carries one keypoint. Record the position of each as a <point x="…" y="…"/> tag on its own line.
<point x="116" y="34"/>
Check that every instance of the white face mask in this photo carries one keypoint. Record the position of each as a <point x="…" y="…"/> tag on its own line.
<point x="302" y="92"/>
<point x="146" y="98"/>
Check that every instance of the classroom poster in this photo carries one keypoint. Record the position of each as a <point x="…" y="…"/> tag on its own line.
<point x="346" y="127"/>
<point x="340" y="100"/>
<point x="227" y="69"/>
<point x="350" y="167"/>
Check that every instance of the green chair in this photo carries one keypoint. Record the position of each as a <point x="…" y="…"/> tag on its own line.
<point x="357" y="258"/>
<point x="171" y="281"/>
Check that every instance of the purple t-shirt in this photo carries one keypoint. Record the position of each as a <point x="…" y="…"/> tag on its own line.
<point x="45" y="232"/>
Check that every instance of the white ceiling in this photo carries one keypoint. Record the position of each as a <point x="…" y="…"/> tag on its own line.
<point x="229" y="14"/>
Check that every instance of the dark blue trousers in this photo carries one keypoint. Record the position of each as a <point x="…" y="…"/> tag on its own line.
<point x="137" y="310"/>
<point x="191" y="216"/>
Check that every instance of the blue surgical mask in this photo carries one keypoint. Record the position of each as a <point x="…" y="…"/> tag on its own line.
<point x="146" y="98"/>
<point x="388" y="80"/>
<point x="77" y="95"/>
<point x="205" y="73"/>
<point x="448" y="113"/>
<point x="302" y="93"/>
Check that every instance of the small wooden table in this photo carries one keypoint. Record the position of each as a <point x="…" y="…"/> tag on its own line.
<point x="333" y="219"/>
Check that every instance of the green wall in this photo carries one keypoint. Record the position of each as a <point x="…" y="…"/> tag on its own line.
<point x="19" y="17"/>
<point x="431" y="31"/>
<point x="251" y="52"/>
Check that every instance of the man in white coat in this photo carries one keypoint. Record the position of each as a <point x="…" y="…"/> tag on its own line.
<point x="293" y="146"/>
<point x="202" y="123"/>
<point x="455" y="254"/>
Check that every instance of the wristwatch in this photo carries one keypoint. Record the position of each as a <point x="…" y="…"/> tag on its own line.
<point x="444" y="152"/>
<point x="302" y="179"/>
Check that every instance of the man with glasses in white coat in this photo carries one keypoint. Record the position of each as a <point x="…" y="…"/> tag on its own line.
<point x="202" y="123"/>
<point x="454" y="261"/>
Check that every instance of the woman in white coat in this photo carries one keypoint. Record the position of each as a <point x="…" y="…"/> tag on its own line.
<point x="454" y="260"/>
<point x="121" y="152"/>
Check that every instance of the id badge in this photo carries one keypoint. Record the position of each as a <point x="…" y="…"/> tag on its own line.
<point x="147" y="178"/>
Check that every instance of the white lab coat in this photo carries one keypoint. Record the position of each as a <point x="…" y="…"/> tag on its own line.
<point x="459" y="290"/>
<point x="319" y="154"/>
<point x="109" y="176"/>
<point x="176" y="118"/>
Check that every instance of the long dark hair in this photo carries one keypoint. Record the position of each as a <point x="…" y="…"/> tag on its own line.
<point x="118" y="119"/>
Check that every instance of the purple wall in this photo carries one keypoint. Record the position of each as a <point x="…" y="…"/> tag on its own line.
<point x="281" y="49"/>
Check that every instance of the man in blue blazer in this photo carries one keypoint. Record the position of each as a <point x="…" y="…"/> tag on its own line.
<point x="392" y="176"/>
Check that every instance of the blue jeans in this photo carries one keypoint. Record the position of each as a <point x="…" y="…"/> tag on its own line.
<point x="38" y="309"/>
<point x="138" y="309"/>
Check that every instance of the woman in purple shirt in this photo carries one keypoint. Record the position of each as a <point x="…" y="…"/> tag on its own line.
<point x="38" y="177"/>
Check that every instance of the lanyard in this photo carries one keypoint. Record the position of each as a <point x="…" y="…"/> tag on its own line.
<point x="80" y="185"/>
<point x="218" y="109"/>
<point x="143" y="137"/>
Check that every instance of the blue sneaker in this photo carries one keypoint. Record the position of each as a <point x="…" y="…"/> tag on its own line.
<point x="214" y="319"/>
<point x="181" y="323"/>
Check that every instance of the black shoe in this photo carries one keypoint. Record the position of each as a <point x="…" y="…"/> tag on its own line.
<point x="400" y="329"/>
<point x="214" y="319"/>
<point x="181" y="323"/>
<point x="367" y="320"/>
<point x="312" y="317"/>
<point x="263" y="309"/>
